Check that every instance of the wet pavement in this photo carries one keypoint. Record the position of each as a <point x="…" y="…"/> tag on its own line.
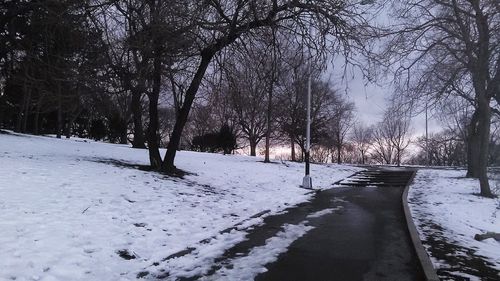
<point x="365" y="238"/>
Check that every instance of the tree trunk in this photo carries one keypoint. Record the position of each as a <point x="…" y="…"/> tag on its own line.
<point x="153" y="141"/>
<point x="473" y="156"/>
<point x="473" y="147"/>
<point x="292" y="146"/>
<point x="136" y="108"/>
<point x="339" y="150"/>
<point x="339" y="142"/>
<point x="268" y="139"/>
<point x="253" y="147"/>
<point x="19" y="121"/>
<point x="59" y="111"/>
<point x="123" y="134"/>
<point x="484" y="142"/>
<point x="26" y="111"/>
<point x="69" y="124"/>
<point x="36" y="129"/>
<point x="168" y="162"/>
<point x="270" y="105"/>
<point x="71" y="121"/>
<point x="481" y="82"/>
<point x="2" y="112"/>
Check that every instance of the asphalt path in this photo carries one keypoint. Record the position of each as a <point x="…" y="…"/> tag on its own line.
<point x="365" y="238"/>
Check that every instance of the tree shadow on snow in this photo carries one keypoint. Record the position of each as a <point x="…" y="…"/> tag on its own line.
<point x="458" y="258"/>
<point x="142" y="167"/>
<point x="10" y="133"/>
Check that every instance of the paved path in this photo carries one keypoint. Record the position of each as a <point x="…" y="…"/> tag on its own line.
<point x="366" y="238"/>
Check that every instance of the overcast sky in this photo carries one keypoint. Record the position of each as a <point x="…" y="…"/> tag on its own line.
<point x="371" y="99"/>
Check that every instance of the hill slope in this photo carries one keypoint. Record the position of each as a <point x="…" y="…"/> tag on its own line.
<point x="79" y="210"/>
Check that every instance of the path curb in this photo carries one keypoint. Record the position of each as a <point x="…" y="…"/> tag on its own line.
<point x="425" y="261"/>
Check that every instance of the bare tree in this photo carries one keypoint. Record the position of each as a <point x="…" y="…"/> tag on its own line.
<point x="457" y="115"/>
<point x="398" y="126"/>
<point x="362" y="137"/>
<point x="221" y="23"/>
<point x="382" y="149"/>
<point x="437" y="43"/>
<point x="325" y="103"/>
<point x="340" y="125"/>
<point x="129" y="55"/>
<point x="248" y="93"/>
<point x="156" y="34"/>
<point x="290" y="113"/>
<point x="157" y="48"/>
<point x="441" y="149"/>
<point x="391" y="136"/>
<point x="273" y="73"/>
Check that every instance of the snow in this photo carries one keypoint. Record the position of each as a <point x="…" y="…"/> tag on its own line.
<point x="447" y="199"/>
<point x="69" y="207"/>
<point x="466" y="276"/>
<point x="201" y="259"/>
<point x="323" y="212"/>
<point x="247" y="267"/>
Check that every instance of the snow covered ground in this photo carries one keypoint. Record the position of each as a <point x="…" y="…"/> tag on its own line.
<point x="448" y="213"/>
<point x="73" y="209"/>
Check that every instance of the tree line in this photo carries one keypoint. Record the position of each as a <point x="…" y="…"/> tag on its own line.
<point x="219" y="75"/>
<point x="446" y="50"/>
<point x="135" y="70"/>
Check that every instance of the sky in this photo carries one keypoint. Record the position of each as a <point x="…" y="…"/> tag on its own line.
<point x="371" y="98"/>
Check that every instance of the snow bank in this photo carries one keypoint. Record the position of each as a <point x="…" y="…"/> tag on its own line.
<point x="446" y="199"/>
<point x="69" y="208"/>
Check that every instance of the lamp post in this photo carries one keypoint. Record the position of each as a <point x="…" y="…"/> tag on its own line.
<point x="427" y="158"/>
<point x="307" y="181"/>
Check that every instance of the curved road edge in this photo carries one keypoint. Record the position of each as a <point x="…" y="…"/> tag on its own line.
<point x="425" y="261"/>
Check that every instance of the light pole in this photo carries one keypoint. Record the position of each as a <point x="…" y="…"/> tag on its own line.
<point x="427" y="158"/>
<point x="307" y="181"/>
